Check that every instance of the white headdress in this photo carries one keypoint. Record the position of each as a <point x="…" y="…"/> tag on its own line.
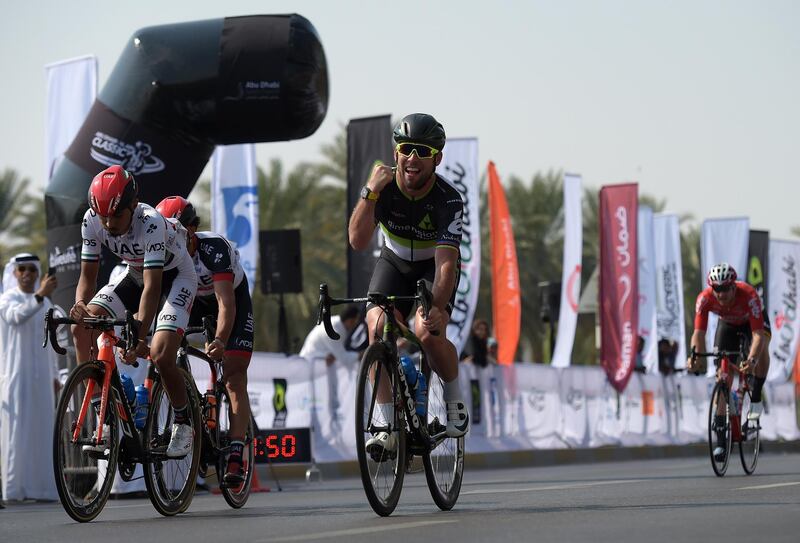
<point x="9" y="281"/>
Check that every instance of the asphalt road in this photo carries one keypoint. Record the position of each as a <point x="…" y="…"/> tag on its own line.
<point x="651" y="500"/>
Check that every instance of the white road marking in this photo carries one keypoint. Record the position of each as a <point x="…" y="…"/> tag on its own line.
<point x="553" y="487"/>
<point x="357" y="531"/>
<point x="776" y="485"/>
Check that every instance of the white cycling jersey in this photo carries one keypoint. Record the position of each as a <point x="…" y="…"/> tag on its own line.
<point x="215" y="260"/>
<point x="151" y="241"/>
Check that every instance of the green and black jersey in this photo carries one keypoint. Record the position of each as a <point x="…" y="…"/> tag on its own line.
<point x="414" y="227"/>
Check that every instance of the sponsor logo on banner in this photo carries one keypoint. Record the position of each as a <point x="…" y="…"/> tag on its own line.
<point x="669" y="316"/>
<point x="279" y="403"/>
<point x="61" y="258"/>
<point x="135" y="157"/>
<point x="624" y="259"/>
<point x="573" y="285"/>
<point x="461" y="305"/>
<point x="787" y="315"/>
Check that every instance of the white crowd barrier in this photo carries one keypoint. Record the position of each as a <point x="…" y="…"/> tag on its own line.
<point x="524" y="406"/>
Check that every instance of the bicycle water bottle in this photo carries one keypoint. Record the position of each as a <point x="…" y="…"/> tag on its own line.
<point x="142" y="401"/>
<point x="211" y="410"/>
<point x="422" y="395"/>
<point x="130" y="391"/>
<point x="409" y="369"/>
<point x="735" y="403"/>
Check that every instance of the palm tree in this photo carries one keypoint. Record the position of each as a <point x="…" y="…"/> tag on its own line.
<point x="13" y="197"/>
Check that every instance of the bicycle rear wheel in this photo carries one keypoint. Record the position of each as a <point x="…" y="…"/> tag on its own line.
<point x="235" y="496"/>
<point x="170" y="481"/>
<point x="444" y="465"/>
<point x="751" y="441"/>
<point x="83" y="479"/>
<point x="720" y="403"/>
<point x="381" y="473"/>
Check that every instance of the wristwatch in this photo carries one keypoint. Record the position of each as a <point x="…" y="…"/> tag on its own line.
<point x="367" y="194"/>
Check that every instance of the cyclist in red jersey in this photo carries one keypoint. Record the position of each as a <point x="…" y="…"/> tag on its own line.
<point x="740" y="311"/>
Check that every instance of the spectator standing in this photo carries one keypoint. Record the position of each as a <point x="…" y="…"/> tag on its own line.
<point x="28" y="383"/>
<point x="476" y="349"/>
<point x="318" y="346"/>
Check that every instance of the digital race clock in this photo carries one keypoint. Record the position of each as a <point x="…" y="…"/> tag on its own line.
<point x="283" y="446"/>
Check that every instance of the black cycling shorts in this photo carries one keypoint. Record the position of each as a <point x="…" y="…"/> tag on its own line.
<point x="394" y="276"/>
<point x="728" y="336"/>
<point x="240" y="342"/>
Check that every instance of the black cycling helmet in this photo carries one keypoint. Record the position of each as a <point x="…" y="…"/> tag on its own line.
<point x="420" y="128"/>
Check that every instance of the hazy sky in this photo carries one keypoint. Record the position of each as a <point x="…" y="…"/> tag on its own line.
<point x="698" y="101"/>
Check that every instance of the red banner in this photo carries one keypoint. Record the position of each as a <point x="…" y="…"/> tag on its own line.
<point x="506" y="306"/>
<point x="619" y="288"/>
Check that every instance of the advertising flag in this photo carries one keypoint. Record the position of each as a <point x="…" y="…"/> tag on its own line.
<point x="506" y="304"/>
<point x="619" y="289"/>
<point x="570" y="272"/>
<point x="669" y="284"/>
<point x="784" y="291"/>
<point x="234" y="202"/>
<point x="723" y="240"/>
<point x="71" y="90"/>
<point x="647" y="288"/>
<point x="459" y="167"/>
<point x="369" y="140"/>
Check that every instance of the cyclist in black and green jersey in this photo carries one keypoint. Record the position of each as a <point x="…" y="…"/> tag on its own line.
<point x="420" y="215"/>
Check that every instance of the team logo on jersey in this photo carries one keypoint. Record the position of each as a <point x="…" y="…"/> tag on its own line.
<point x="426" y="223"/>
<point x="151" y="228"/>
<point x="455" y="226"/>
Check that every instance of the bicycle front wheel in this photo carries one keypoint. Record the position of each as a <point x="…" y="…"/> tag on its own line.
<point x="235" y="496"/>
<point x="719" y="428"/>
<point x="751" y="441"/>
<point x="444" y="465"/>
<point x="382" y="468"/>
<point x="170" y="481"/>
<point x="84" y="473"/>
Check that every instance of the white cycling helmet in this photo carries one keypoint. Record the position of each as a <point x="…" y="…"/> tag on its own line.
<point x="722" y="274"/>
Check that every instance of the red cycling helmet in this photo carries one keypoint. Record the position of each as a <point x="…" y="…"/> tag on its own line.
<point x="177" y="207"/>
<point x="112" y="189"/>
<point x="721" y="275"/>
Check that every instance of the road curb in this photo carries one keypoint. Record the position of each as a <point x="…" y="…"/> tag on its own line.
<point x="532" y="458"/>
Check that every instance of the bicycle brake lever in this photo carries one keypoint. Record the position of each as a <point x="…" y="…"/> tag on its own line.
<point x="324" y="314"/>
<point x="425" y="300"/>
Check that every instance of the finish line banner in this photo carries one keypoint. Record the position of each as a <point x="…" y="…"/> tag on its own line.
<point x="619" y="288"/>
<point x="460" y="168"/>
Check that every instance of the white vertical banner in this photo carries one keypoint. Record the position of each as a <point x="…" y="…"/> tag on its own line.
<point x="669" y="283"/>
<point x="71" y="90"/>
<point x="784" y="260"/>
<point x="723" y="240"/>
<point x="459" y="167"/>
<point x="234" y="202"/>
<point x="571" y="271"/>
<point x="648" y="328"/>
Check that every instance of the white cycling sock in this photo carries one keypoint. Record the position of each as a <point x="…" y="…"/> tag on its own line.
<point x="387" y="411"/>
<point x="452" y="391"/>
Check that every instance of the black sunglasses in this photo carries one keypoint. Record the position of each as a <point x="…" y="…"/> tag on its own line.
<point x="722" y="288"/>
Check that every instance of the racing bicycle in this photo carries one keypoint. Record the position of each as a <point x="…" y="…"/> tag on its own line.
<point x="382" y="472"/>
<point x="215" y="407"/>
<point x="87" y="453"/>
<point x="728" y="410"/>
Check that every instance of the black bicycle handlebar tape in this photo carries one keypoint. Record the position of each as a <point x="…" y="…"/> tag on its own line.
<point x="324" y="314"/>
<point x="176" y="92"/>
<point x="425" y="300"/>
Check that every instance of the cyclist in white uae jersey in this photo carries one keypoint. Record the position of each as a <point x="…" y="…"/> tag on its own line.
<point x="223" y="291"/>
<point x="158" y="265"/>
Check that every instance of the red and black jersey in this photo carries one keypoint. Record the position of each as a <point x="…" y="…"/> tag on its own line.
<point x="745" y="308"/>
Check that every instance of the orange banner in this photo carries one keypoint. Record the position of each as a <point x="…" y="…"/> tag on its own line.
<point x="506" y="307"/>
